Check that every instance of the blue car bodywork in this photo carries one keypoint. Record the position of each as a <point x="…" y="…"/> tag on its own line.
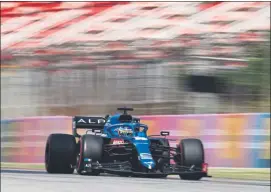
<point x="128" y="149"/>
<point x="140" y="140"/>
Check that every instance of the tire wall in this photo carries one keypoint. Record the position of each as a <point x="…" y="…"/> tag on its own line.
<point x="230" y="140"/>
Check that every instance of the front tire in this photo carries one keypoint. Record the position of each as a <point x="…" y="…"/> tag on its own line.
<point x="91" y="147"/>
<point x="192" y="153"/>
<point x="60" y="153"/>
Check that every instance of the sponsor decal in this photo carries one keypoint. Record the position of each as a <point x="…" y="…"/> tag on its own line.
<point x="124" y="131"/>
<point x="145" y="156"/>
<point x="141" y="138"/>
<point x="87" y="160"/>
<point x="91" y="121"/>
<point x="117" y="141"/>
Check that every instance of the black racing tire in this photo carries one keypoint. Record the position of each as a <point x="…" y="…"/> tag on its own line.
<point x="91" y="146"/>
<point x="192" y="153"/>
<point x="60" y="154"/>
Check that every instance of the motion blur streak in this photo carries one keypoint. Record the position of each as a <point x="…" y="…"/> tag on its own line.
<point x="161" y="58"/>
<point x="95" y="56"/>
<point x="243" y="138"/>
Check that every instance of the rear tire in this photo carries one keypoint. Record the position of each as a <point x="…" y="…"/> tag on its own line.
<point x="91" y="147"/>
<point x="192" y="153"/>
<point x="60" y="153"/>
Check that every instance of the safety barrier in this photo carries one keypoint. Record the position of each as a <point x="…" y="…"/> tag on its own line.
<point x="230" y="140"/>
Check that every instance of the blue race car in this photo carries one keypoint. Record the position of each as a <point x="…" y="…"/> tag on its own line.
<point x="119" y="144"/>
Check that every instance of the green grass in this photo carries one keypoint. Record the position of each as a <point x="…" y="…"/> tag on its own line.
<point x="37" y="166"/>
<point x="249" y="174"/>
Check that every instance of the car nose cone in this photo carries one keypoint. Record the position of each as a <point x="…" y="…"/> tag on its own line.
<point x="149" y="165"/>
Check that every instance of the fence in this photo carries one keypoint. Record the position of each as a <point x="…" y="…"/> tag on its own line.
<point x="230" y="140"/>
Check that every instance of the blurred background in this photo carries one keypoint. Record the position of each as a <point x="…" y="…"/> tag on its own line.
<point x="67" y="58"/>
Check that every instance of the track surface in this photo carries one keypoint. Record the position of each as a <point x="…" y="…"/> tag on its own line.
<point x="39" y="181"/>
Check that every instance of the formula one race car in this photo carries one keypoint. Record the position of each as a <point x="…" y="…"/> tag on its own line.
<point x="119" y="145"/>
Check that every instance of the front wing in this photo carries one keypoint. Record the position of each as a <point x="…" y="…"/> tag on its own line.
<point x="125" y="168"/>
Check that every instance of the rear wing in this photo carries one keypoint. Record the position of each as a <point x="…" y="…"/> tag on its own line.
<point x="83" y="122"/>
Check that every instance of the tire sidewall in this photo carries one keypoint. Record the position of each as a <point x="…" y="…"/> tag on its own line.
<point x="192" y="153"/>
<point x="60" y="153"/>
<point x="186" y="158"/>
<point x="85" y="151"/>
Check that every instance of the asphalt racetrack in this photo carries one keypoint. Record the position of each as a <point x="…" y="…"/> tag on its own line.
<point x="39" y="181"/>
